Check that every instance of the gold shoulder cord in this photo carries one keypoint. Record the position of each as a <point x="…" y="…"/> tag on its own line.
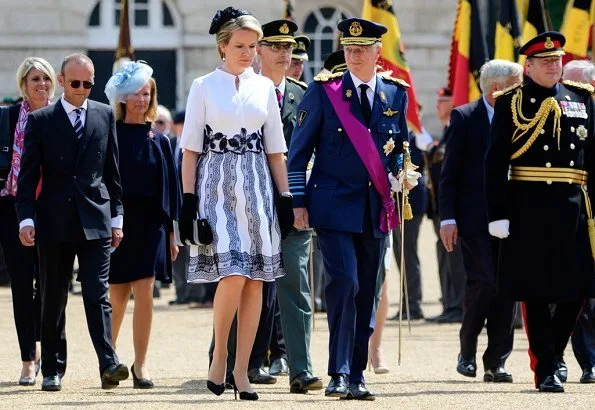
<point x="547" y="106"/>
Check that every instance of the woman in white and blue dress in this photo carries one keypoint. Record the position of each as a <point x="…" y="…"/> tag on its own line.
<point x="233" y="152"/>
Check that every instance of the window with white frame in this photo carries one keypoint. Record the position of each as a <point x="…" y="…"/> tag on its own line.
<point x="321" y="26"/>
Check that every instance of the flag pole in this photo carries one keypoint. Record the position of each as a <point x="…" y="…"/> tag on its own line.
<point x="124" y="50"/>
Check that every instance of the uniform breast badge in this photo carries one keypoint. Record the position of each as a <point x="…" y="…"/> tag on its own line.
<point x="382" y="96"/>
<point x="302" y="117"/>
<point x="348" y="93"/>
<point x="389" y="146"/>
<point x="390" y="112"/>
<point x="572" y="109"/>
<point x="582" y="133"/>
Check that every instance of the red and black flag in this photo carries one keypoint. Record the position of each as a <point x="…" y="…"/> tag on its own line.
<point x="576" y="27"/>
<point x="393" y="53"/>
<point x="468" y="53"/>
<point x="508" y="32"/>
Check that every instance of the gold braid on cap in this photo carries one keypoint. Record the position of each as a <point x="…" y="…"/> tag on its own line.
<point x="547" y="106"/>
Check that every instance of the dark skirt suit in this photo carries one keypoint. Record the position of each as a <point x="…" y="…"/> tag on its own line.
<point x="151" y="198"/>
<point x="22" y="265"/>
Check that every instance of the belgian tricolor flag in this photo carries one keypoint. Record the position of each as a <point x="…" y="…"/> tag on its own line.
<point x="508" y="32"/>
<point x="576" y="27"/>
<point x="393" y="53"/>
<point x="468" y="53"/>
<point x="537" y="21"/>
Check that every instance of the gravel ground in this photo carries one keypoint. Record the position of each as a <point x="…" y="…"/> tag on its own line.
<point x="178" y="364"/>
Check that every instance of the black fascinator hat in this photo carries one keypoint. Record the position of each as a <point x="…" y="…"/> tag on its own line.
<point x="223" y="16"/>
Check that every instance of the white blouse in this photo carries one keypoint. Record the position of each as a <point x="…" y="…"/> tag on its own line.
<point x="215" y="101"/>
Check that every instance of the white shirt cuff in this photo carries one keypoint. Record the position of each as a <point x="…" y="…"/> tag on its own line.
<point x="118" y="222"/>
<point x="448" y="222"/>
<point x="26" y="222"/>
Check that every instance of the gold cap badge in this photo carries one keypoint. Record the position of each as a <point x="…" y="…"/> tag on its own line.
<point x="355" y="29"/>
<point x="284" y="29"/>
<point x="548" y="43"/>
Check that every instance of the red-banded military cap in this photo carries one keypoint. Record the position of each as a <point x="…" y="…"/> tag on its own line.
<point x="548" y="44"/>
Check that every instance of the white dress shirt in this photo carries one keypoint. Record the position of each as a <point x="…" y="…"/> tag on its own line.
<point x="117" y="221"/>
<point x="369" y="92"/>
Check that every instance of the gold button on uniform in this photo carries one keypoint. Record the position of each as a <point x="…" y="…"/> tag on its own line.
<point x="572" y="129"/>
<point x="542" y="131"/>
<point x="549" y="182"/>
<point x="339" y="129"/>
<point x="571" y="163"/>
<point x="548" y="164"/>
<point x="572" y="146"/>
<point x="390" y="131"/>
<point x="532" y="100"/>
<point x="370" y="183"/>
<point x="545" y="147"/>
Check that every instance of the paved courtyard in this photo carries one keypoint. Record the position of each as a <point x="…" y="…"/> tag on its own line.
<point x="178" y="364"/>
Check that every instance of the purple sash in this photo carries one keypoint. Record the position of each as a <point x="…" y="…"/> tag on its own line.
<point x="363" y="142"/>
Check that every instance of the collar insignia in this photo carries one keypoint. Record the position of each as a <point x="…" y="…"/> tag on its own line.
<point x="348" y="93"/>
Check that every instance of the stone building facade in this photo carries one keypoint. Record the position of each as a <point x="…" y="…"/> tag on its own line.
<point x="172" y="35"/>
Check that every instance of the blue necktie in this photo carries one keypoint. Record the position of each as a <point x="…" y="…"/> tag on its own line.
<point x="78" y="123"/>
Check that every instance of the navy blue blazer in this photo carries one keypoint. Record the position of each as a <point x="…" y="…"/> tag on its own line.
<point x="340" y="185"/>
<point x="462" y="195"/>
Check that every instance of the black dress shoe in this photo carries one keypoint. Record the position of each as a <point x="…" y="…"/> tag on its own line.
<point x="551" y="384"/>
<point x="466" y="367"/>
<point x="51" y="383"/>
<point x="497" y="375"/>
<point x="141" y="383"/>
<point x="303" y="382"/>
<point x="413" y="316"/>
<point x="279" y="367"/>
<point x="337" y="387"/>
<point x="588" y="375"/>
<point x="452" y="317"/>
<point x="562" y="372"/>
<point x="260" y="376"/>
<point x="358" y="391"/>
<point x="113" y="375"/>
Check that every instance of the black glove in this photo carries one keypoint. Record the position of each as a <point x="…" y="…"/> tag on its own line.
<point x="285" y="212"/>
<point x="188" y="215"/>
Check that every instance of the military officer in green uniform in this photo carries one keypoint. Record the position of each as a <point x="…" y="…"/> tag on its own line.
<point x="539" y="162"/>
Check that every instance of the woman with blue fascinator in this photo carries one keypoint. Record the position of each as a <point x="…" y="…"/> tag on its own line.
<point x="233" y="157"/>
<point x="151" y="197"/>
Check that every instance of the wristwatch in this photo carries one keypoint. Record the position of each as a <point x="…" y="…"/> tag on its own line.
<point x="286" y="194"/>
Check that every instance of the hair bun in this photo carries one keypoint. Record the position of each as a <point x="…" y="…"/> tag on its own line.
<point x="223" y="16"/>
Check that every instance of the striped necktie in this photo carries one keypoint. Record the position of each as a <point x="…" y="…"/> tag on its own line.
<point x="78" y="123"/>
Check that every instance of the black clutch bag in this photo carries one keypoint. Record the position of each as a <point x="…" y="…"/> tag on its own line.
<point x="201" y="232"/>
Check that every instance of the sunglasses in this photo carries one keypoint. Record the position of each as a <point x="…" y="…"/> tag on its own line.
<point x="87" y="85"/>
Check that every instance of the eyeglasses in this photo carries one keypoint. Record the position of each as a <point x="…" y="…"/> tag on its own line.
<point x="278" y="48"/>
<point x="87" y="85"/>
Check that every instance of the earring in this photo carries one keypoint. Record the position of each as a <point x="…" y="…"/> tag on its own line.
<point x="223" y="58"/>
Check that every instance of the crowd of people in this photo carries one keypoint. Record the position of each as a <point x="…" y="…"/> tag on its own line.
<point x="265" y="184"/>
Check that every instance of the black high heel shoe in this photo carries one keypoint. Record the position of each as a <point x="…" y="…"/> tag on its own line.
<point x="140" y="383"/>
<point x="244" y="395"/>
<point x="216" y="389"/>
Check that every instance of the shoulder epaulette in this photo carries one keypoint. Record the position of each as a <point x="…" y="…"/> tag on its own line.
<point x="497" y="94"/>
<point x="297" y="82"/>
<point x="387" y="76"/>
<point x="582" y="86"/>
<point x="324" y="77"/>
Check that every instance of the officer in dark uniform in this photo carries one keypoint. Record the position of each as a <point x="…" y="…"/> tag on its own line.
<point x="543" y="131"/>
<point x="298" y="57"/>
<point x="356" y="124"/>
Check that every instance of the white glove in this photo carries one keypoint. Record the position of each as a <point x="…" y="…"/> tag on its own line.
<point x="423" y="140"/>
<point x="499" y="228"/>
<point x="411" y="179"/>
<point x="395" y="185"/>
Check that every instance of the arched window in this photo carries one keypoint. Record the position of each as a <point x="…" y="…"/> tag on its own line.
<point x="321" y="27"/>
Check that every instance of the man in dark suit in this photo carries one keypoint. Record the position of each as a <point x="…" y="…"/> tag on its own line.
<point x="463" y="213"/>
<point x="355" y="121"/>
<point x="71" y="146"/>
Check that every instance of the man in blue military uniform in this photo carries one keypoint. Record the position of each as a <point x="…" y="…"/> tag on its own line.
<point x="356" y="124"/>
<point x="540" y="159"/>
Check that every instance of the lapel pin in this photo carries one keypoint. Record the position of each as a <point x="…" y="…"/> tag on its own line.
<point x="348" y="93"/>
<point x="567" y="97"/>
<point x="382" y="96"/>
<point x="290" y="95"/>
